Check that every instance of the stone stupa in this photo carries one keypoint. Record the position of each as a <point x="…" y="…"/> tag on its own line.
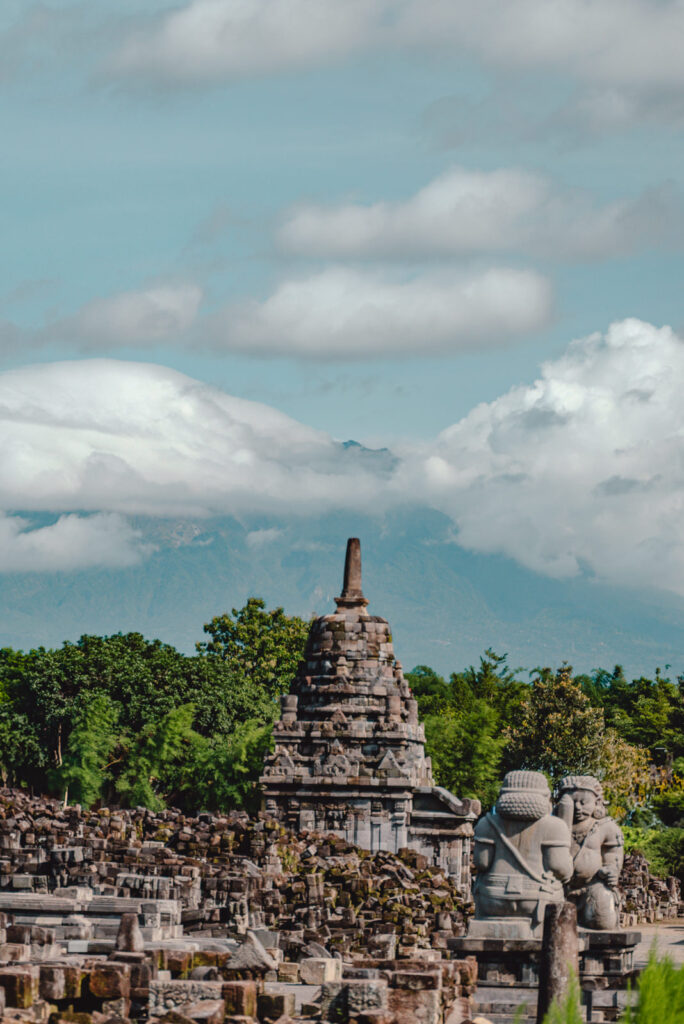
<point x="349" y="753"/>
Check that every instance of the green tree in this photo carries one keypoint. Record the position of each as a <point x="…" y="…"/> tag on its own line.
<point x="465" y="748"/>
<point x="262" y="648"/>
<point x="557" y="730"/>
<point x="151" y="758"/>
<point x="429" y="689"/>
<point x="223" y="773"/>
<point x="81" y="775"/>
<point x="464" y="721"/>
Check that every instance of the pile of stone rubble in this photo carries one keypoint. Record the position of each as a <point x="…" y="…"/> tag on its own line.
<point x="224" y="919"/>
<point x="645" y="898"/>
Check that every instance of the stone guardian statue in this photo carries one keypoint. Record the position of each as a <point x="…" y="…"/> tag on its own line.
<point x="597" y="851"/>
<point x="522" y="858"/>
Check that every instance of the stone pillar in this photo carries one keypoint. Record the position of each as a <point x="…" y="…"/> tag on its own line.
<point x="559" y="961"/>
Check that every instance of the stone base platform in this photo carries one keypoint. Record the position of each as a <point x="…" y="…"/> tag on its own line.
<point x="508" y="974"/>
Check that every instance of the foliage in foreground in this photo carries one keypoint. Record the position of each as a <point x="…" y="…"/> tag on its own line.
<point x="660" y="998"/>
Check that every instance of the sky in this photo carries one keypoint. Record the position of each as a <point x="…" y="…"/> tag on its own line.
<point x="239" y="232"/>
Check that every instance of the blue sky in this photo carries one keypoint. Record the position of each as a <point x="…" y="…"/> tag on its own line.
<point x="370" y="217"/>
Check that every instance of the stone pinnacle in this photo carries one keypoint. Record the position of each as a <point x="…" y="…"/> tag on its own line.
<point x="352" y="594"/>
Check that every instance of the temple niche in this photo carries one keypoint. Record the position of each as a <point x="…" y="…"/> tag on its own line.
<point x="349" y="753"/>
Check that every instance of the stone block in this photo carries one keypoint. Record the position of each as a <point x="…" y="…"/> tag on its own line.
<point x="288" y="973"/>
<point x="52" y="984"/>
<point x="316" y="970"/>
<point x="21" y="985"/>
<point x="240" y="998"/>
<point x="141" y="976"/>
<point x="364" y="996"/>
<point x="271" y="1007"/>
<point x="205" y="1011"/>
<point x="179" y="961"/>
<point x="416" y="980"/>
<point x="415" y="1007"/>
<point x="110" y="981"/>
<point x="13" y="951"/>
<point x="169" y="995"/>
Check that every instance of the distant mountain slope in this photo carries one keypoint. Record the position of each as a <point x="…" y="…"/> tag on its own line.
<point x="445" y="605"/>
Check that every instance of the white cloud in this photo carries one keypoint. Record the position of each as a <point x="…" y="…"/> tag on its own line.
<point x="103" y="540"/>
<point x="580" y="471"/>
<point x="627" y="42"/>
<point x="465" y="211"/>
<point x="630" y="43"/>
<point x="134" y="318"/>
<point x="341" y="314"/>
<point x="584" y="469"/>
<point x="102" y="434"/>
<point x="209" y="40"/>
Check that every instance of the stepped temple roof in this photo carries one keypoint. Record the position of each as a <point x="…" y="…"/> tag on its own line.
<point x="349" y="752"/>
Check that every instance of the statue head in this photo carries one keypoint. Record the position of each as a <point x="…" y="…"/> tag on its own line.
<point x="524" y="796"/>
<point x="587" y="796"/>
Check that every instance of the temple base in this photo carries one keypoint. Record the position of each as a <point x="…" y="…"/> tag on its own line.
<point x="508" y="973"/>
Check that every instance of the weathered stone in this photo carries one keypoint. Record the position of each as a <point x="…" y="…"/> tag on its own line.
<point x="276" y="1005"/>
<point x="559" y="962"/>
<point x="240" y="998"/>
<point x="409" y="1007"/>
<point x="52" y="985"/>
<point x="349" y="753"/>
<point x="522" y="855"/>
<point x="597" y="851"/>
<point x="251" y="957"/>
<point x="366" y="996"/>
<point x="288" y="973"/>
<point x="110" y="981"/>
<point x="205" y="1011"/>
<point x="318" y="970"/>
<point x="21" y="985"/>
<point x="129" y="938"/>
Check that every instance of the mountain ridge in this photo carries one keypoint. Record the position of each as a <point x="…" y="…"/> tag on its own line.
<point x="445" y="605"/>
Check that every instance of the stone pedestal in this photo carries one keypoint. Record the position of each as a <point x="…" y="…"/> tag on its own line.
<point x="508" y="974"/>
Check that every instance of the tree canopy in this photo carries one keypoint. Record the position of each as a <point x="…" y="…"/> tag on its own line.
<point x="126" y="720"/>
<point x="135" y="721"/>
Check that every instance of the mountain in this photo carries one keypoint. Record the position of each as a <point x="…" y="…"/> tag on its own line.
<point x="445" y="605"/>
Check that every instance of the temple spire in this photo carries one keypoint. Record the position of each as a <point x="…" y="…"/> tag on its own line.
<point x="352" y="594"/>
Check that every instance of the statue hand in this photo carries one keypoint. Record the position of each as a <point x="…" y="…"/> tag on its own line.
<point x="609" y="875"/>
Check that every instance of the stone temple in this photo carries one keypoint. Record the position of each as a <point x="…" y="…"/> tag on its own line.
<point x="349" y="754"/>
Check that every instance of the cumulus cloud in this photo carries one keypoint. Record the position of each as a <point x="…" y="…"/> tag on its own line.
<point x="464" y="212"/>
<point x="102" y="434"/>
<point x="141" y="317"/>
<point x="581" y="471"/>
<point x="630" y="43"/>
<point x="103" y="540"/>
<point x="340" y="314"/>
<point x="209" y="40"/>
<point x="624" y="42"/>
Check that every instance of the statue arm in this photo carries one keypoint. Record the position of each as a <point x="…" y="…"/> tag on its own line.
<point x="483" y="854"/>
<point x="612" y="855"/>
<point x="556" y="850"/>
<point x="558" y="860"/>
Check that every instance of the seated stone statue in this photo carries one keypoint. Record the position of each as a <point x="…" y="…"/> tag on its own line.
<point x="522" y="858"/>
<point x="597" y="851"/>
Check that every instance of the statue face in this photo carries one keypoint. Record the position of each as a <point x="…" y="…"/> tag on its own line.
<point x="585" y="804"/>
